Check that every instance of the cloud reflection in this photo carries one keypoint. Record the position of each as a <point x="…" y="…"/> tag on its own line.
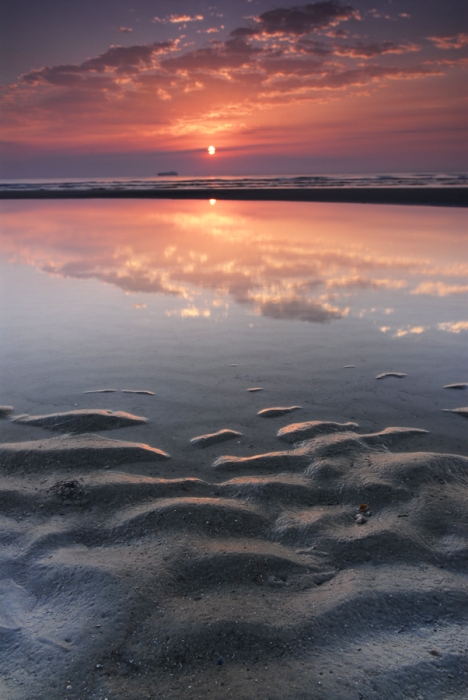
<point x="311" y="263"/>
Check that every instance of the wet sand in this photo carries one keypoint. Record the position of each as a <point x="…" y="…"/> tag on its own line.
<point x="333" y="569"/>
<point x="423" y="196"/>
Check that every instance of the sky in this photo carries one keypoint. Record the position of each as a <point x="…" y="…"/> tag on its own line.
<point x="128" y="88"/>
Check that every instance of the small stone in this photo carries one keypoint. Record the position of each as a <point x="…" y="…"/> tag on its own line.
<point x="360" y="520"/>
<point x="220" y="661"/>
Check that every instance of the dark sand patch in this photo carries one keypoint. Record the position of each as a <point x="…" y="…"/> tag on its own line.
<point x="83" y="420"/>
<point x="277" y="411"/>
<point x="6" y="411"/>
<point x="214" y="438"/>
<point x="399" y="375"/>
<point x="460" y="386"/>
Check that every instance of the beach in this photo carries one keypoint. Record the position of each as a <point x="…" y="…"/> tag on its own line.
<point x="234" y="457"/>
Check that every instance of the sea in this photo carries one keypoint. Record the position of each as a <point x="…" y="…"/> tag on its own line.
<point x="176" y="182"/>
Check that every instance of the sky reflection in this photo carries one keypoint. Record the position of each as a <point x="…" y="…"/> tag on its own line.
<point x="314" y="263"/>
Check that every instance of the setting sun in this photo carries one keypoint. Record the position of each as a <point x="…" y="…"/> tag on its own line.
<point x="211" y="150"/>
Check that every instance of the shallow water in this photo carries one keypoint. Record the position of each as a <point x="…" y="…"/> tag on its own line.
<point x="198" y="302"/>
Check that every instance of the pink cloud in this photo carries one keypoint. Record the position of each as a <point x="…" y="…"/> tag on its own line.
<point x="179" y="19"/>
<point x="457" y="41"/>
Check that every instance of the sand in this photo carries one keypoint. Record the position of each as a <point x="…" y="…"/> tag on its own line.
<point x="334" y="569"/>
<point x="214" y="438"/>
<point x="82" y="420"/>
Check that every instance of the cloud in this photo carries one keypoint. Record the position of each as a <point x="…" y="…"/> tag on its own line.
<point x="440" y="289"/>
<point x="124" y="30"/>
<point x="159" y="96"/>
<point x="356" y="50"/>
<point x="298" y="21"/>
<point x="453" y="326"/>
<point x="178" y="19"/>
<point x="457" y="41"/>
<point x="233" y="53"/>
<point x="120" y="59"/>
<point x="360" y="50"/>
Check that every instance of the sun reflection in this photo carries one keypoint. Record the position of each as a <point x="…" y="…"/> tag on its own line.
<point x="211" y="150"/>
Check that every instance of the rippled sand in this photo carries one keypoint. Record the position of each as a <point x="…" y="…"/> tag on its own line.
<point x="334" y="569"/>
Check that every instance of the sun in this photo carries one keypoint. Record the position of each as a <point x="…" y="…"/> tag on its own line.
<point x="211" y="150"/>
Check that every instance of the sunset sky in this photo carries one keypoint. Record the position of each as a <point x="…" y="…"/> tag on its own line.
<point x="121" y="88"/>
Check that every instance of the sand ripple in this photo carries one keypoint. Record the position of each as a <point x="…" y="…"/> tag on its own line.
<point x="214" y="438"/>
<point x="83" y="420"/>
<point x="262" y="585"/>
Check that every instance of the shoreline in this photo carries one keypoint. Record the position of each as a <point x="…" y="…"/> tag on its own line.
<point x="422" y="196"/>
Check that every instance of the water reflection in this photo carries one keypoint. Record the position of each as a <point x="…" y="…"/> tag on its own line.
<point x="310" y="262"/>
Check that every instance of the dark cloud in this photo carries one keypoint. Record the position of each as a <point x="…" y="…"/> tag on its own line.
<point x="356" y="50"/>
<point x="122" y="59"/>
<point x="361" y="50"/>
<point x="298" y="21"/>
<point x="233" y="53"/>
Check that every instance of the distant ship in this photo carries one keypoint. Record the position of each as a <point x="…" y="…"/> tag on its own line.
<point x="169" y="172"/>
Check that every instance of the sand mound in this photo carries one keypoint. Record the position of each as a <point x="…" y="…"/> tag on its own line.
<point x="100" y="391"/>
<point x="460" y="386"/>
<point x="399" y="375"/>
<point x="303" y="431"/>
<point x="124" y="586"/>
<point x="463" y="411"/>
<point x="87" y="451"/>
<point x="277" y="411"/>
<point x="83" y="420"/>
<point x="138" y="391"/>
<point x="214" y="438"/>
